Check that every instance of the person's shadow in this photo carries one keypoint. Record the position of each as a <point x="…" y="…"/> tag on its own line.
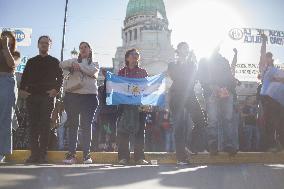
<point x="109" y="176"/>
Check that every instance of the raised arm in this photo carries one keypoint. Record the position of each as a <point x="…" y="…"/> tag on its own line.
<point x="229" y="75"/>
<point x="234" y="62"/>
<point x="7" y="54"/>
<point x="263" y="45"/>
<point x="262" y="62"/>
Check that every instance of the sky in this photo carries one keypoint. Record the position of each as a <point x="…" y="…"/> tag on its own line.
<point x="202" y="23"/>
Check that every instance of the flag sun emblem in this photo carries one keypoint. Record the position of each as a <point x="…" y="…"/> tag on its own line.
<point x="135" y="90"/>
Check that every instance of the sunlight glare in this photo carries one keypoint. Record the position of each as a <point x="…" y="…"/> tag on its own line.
<point x="206" y="25"/>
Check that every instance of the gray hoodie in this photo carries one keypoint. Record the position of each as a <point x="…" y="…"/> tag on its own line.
<point x="88" y="72"/>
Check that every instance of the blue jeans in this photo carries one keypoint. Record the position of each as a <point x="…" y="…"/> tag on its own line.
<point x="182" y="110"/>
<point x="169" y="140"/>
<point x="236" y="124"/>
<point x="7" y="102"/>
<point x="220" y="114"/>
<point x="83" y="105"/>
<point x="61" y="136"/>
<point x="235" y="131"/>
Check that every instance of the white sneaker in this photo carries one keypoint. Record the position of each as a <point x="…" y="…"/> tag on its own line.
<point x="142" y="162"/>
<point x="70" y="159"/>
<point x="183" y="163"/>
<point x="87" y="159"/>
<point x="123" y="162"/>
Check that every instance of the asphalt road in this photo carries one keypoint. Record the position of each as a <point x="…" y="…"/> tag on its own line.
<point x="144" y="177"/>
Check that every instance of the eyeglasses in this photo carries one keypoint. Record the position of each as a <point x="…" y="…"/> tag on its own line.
<point x="44" y="43"/>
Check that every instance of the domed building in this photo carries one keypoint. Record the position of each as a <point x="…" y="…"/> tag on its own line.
<point x="146" y="28"/>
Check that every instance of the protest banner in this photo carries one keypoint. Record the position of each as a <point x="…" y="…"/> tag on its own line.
<point x="20" y="68"/>
<point x="250" y="71"/>
<point x="253" y="36"/>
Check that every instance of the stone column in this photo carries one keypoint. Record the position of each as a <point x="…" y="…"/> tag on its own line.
<point x="138" y="34"/>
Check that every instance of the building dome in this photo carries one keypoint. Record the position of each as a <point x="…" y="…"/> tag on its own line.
<point x="146" y="7"/>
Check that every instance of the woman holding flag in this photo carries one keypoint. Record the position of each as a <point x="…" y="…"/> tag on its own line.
<point x="130" y="120"/>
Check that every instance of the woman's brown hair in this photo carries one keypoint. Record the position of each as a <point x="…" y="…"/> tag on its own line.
<point x="90" y="58"/>
<point x="128" y="53"/>
<point x="11" y="36"/>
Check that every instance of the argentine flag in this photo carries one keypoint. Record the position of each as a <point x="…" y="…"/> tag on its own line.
<point x="146" y="91"/>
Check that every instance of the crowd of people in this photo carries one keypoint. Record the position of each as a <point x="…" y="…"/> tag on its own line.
<point x="77" y="117"/>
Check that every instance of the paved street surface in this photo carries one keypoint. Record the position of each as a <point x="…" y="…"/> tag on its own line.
<point x="136" y="177"/>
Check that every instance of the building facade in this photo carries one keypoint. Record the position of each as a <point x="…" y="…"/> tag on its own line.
<point x="146" y="28"/>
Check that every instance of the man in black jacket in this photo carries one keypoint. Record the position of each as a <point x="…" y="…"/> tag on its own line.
<point x="41" y="83"/>
<point x="183" y="101"/>
<point x="218" y="85"/>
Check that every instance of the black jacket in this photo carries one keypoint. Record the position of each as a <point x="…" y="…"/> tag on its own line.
<point x="42" y="74"/>
<point x="215" y="71"/>
<point x="183" y="77"/>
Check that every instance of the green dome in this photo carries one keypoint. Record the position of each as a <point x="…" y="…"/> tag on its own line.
<point x="136" y="7"/>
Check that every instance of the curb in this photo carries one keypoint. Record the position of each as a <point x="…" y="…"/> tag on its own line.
<point x="19" y="157"/>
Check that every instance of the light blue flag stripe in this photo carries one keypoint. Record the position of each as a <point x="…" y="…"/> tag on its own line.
<point x="152" y="100"/>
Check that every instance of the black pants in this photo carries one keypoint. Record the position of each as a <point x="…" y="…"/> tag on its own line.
<point x="39" y="109"/>
<point x="81" y="106"/>
<point x="181" y="108"/>
<point x="123" y="140"/>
